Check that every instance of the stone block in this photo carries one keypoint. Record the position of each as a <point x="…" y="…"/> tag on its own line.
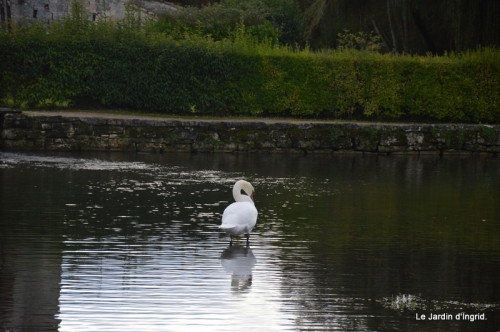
<point x="246" y="146"/>
<point x="266" y="144"/>
<point x="62" y="144"/>
<point x="203" y="146"/>
<point x="309" y="144"/>
<point x="94" y="121"/>
<point x="254" y="125"/>
<point x="22" y="144"/>
<point x="488" y="135"/>
<point x="107" y="130"/>
<point x="342" y="143"/>
<point x="320" y="151"/>
<point x="428" y="152"/>
<point x="8" y="110"/>
<point x="121" y="144"/>
<point x="178" y="147"/>
<point x="14" y="134"/>
<point x="60" y="130"/>
<point x="226" y="147"/>
<point x="414" y="139"/>
<point x="426" y="147"/>
<point x="284" y="143"/>
<point x="46" y="126"/>
<point x="393" y="148"/>
<point x="493" y="148"/>
<point x="93" y="144"/>
<point x="305" y="126"/>
<point x="233" y="125"/>
<point x="288" y="151"/>
<point x="155" y="132"/>
<point x="16" y="121"/>
<point x="389" y="140"/>
<point x="413" y="128"/>
<point x="475" y="147"/>
<point x="279" y="126"/>
<point x="64" y="141"/>
<point x="366" y="145"/>
<point x="40" y="143"/>
<point x="35" y="134"/>
<point x="184" y="134"/>
<point x="195" y="124"/>
<point x="81" y="128"/>
<point x="51" y="118"/>
<point x="133" y="132"/>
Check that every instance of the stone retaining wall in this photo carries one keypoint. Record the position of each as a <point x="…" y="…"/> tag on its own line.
<point x="26" y="131"/>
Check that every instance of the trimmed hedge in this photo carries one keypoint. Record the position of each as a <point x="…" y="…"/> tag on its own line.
<point x="109" y="64"/>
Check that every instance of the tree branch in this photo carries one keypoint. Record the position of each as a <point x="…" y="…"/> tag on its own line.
<point x="391" y="25"/>
<point x="423" y="31"/>
<point x="382" y="37"/>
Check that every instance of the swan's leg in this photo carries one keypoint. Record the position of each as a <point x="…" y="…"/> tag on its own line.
<point x="248" y="239"/>
<point x="231" y="240"/>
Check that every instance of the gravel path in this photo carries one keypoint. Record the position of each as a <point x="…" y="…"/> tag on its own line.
<point x="90" y="114"/>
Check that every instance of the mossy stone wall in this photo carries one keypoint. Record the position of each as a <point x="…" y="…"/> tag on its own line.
<point x="25" y="131"/>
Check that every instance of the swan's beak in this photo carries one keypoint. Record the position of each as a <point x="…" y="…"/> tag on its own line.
<point x="252" y="196"/>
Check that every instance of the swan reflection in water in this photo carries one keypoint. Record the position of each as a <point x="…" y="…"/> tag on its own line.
<point x="239" y="261"/>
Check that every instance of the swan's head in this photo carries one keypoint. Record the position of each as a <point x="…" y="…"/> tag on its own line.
<point x="246" y="187"/>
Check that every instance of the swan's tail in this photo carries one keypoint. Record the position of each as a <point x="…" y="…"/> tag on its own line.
<point x="227" y="227"/>
<point x="233" y="230"/>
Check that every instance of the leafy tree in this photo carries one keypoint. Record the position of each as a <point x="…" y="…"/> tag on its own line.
<point x="284" y="15"/>
<point x="278" y="20"/>
<point x="216" y="22"/>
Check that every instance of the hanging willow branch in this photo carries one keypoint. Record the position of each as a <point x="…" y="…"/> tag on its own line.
<point x="380" y="34"/>
<point x="409" y="26"/>
<point x="313" y="15"/>
<point x="392" y="28"/>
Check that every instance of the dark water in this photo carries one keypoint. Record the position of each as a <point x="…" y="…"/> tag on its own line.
<point x="125" y="242"/>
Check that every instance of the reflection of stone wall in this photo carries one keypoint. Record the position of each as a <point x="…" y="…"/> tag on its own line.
<point x="31" y="131"/>
<point x="30" y="284"/>
<point x="48" y="10"/>
<point x="31" y="250"/>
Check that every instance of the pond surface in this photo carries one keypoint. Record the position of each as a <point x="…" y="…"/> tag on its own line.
<point x="130" y="242"/>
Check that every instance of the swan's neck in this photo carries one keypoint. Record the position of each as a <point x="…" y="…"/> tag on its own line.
<point x="238" y="197"/>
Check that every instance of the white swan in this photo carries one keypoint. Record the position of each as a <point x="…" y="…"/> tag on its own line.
<point x="241" y="216"/>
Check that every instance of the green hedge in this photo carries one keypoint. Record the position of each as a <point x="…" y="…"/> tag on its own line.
<point x="109" y="64"/>
<point x="463" y="88"/>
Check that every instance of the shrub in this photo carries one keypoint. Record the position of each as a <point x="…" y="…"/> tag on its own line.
<point x="214" y="21"/>
<point x="359" y="41"/>
<point x="284" y="15"/>
<point x="127" y="64"/>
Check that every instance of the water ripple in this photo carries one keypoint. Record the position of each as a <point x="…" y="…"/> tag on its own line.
<point x="131" y="242"/>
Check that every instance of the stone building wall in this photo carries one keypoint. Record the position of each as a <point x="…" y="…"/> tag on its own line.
<point x="50" y="10"/>
<point x="25" y="131"/>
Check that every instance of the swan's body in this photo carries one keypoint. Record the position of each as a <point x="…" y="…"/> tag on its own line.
<point x="241" y="216"/>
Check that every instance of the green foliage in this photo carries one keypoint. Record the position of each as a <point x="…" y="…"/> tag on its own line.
<point x="490" y="135"/>
<point x="284" y="15"/>
<point x="359" y="41"/>
<point x="277" y="21"/>
<point x="131" y="64"/>
<point x="215" y="22"/>
<point x="335" y="133"/>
